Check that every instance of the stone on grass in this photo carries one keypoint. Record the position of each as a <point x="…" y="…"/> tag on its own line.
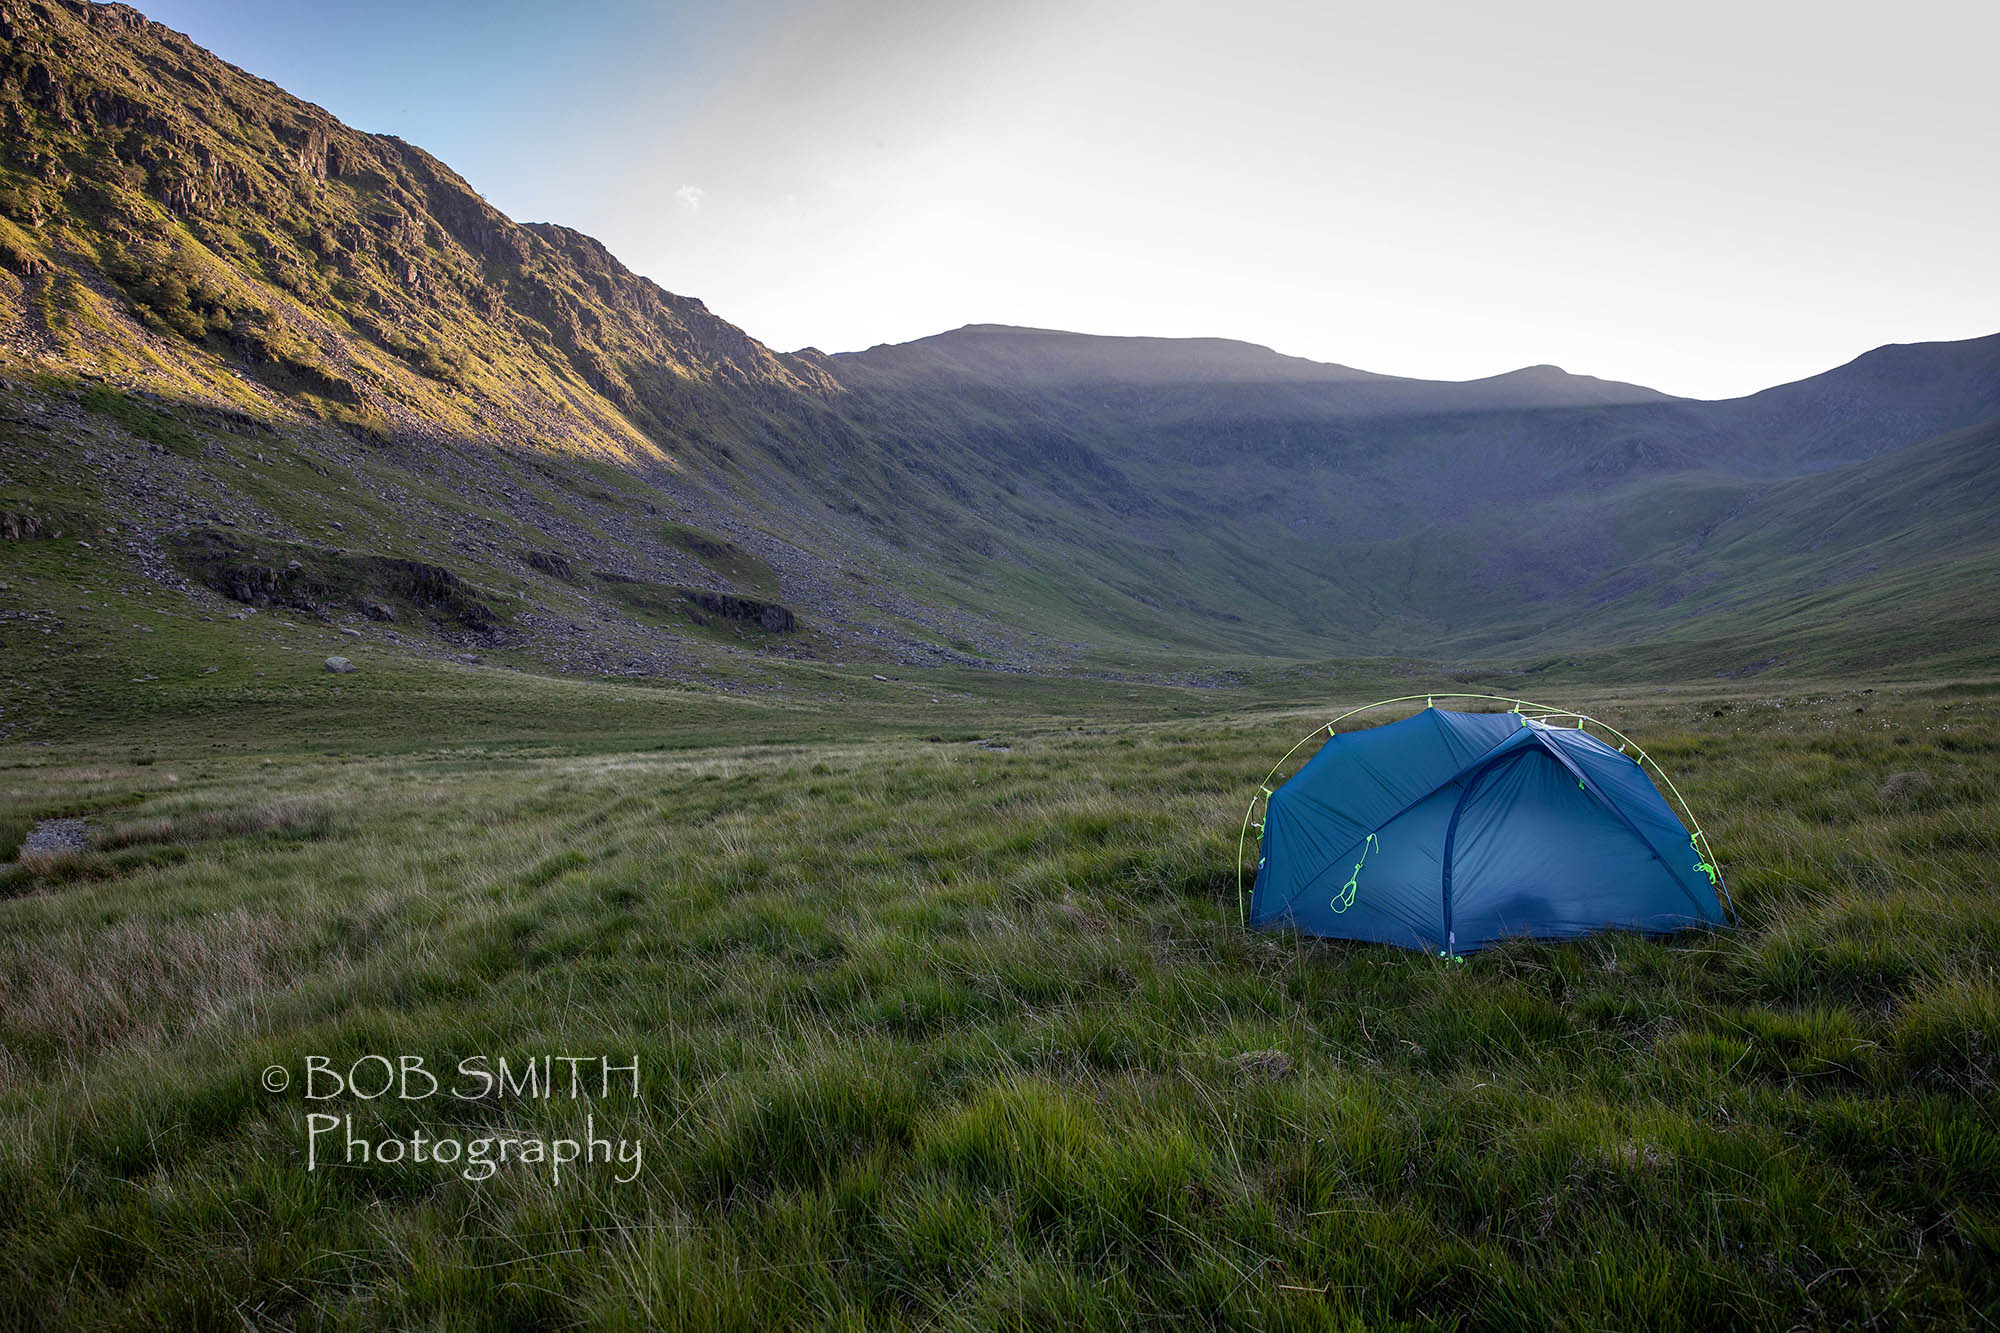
<point x="1903" y="786"/>
<point x="339" y="664"/>
<point x="1267" y="1066"/>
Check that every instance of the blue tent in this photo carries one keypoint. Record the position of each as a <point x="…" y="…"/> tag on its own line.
<point x="1446" y="831"/>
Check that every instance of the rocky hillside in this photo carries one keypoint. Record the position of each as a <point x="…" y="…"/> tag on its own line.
<point x="172" y="218"/>
<point x="192" y="261"/>
<point x="268" y="365"/>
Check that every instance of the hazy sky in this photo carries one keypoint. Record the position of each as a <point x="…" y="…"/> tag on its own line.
<point x="1706" y="198"/>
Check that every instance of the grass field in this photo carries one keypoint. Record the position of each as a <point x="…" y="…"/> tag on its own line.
<point x="933" y="1034"/>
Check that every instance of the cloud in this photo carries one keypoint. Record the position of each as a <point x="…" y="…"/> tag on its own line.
<point x="689" y="197"/>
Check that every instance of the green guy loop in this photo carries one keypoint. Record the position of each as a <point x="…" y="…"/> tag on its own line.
<point x="1345" y="898"/>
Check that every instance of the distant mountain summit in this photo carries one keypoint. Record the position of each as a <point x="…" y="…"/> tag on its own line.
<point x="1050" y="358"/>
<point x="1006" y="353"/>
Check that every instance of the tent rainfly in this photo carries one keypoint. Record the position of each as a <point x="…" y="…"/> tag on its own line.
<point x="1447" y="831"/>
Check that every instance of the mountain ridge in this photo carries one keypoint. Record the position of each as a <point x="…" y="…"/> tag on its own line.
<point x="326" y="341"/>
<point x="1056" y="356"/>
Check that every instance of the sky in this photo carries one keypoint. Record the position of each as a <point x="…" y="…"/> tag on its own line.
<point x="1708" y="198"/>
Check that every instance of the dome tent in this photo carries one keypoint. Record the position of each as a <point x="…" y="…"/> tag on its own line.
<point x="1446" y="831"/>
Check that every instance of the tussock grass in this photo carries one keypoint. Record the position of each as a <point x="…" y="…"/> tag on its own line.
<point x="938" y="1036"/>
<point x="14" y="828"/>
<point x="134" y="984"/>
<point x="64" y="866"/>
<point x="295" y="816"/>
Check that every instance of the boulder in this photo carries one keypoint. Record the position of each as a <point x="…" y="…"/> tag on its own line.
<point x="338" y="665"/>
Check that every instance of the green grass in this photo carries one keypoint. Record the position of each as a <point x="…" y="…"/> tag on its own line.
<point x="938" y="1035"/>
<point x="673" y="606"/>
<point x="740" y="569"/>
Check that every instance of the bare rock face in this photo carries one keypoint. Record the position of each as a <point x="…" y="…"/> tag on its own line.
<point x="339" y="665"/>
<point x="22" y="527"/>
<point x="552" y="563"/>
<point x="256" y="572"/>
<point x="769" y="615"/>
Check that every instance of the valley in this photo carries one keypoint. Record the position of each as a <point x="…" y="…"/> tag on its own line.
<point x="421" y="634"/>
